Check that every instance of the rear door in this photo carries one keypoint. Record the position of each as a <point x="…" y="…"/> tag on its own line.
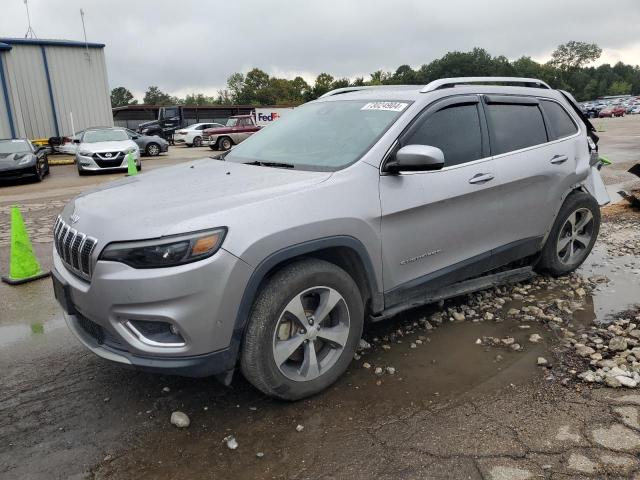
<point x="533" y="143"/>
<point x="438" y="226"/>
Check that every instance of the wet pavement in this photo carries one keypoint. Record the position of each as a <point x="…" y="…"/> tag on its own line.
<point x="453" y="408"/>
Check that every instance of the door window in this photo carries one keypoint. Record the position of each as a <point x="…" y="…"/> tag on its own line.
<point x="514" y="126"/>
<point x="455" y="130"/>
<point x="559" y="120"/>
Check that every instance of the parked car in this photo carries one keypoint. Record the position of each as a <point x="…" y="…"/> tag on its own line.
<point x="104" y="149"/>
<point x="354" y="207"/>
<point x="635" y="110"/>
<point x="150" y="145"/>
<point x="237" y="129"/>
<point x="192" y="135"/>
<point x="68" y="145"/>
<point x="614" y="111"/>
<point x="20" y="158"/>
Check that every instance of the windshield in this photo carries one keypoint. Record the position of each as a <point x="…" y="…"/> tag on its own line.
<point x="322" y="136"/>
<point x="95" y="136"/>
<point x="232" y="122"/>
<point x="14" y="146"/>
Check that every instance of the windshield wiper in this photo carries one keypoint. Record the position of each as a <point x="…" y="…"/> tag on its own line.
<point x="272" y="164"/>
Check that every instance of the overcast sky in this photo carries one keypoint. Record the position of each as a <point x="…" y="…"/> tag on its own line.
<point x="193" y="46"/>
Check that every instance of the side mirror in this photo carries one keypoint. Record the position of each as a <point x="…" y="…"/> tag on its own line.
<point x="416" y="158"/>
<point x="76" y="140"/>
<point x="135" y="137"/>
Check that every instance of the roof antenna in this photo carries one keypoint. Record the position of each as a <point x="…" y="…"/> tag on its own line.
<point x="85" y="35"/>
<point x="30" y="33"/>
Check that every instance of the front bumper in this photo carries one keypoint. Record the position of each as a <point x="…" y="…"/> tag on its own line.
<point x="200" y="299"/>
<point x="210" y="140"/>
<point x="90" y="164"/>
<point x="16" y="171"/>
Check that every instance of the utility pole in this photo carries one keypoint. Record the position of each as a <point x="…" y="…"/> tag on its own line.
<point x="30" y="33"/>
<point x="85" y="35"/>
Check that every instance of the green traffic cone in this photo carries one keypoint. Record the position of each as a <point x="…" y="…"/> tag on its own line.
<point x="23" y="264"/>
<point x="605" y="160"/>
<point x="132" y="168"/>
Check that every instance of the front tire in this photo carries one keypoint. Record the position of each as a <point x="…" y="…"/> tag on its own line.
<point x="225" y="144"/>
<point x="573" y="235"/>
<point x="197" y="142"/>
<point x="303" y="330"/>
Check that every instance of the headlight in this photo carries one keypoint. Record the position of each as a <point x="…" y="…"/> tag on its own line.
<point x="84" y="153"/>
<point x="24" y="160"/>
<point x="130" y="150"/>
<point x="168" y="252"/>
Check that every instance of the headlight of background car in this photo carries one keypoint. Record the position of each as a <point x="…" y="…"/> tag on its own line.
<point x="26" y="159"/>
<point x="167" y="252"/>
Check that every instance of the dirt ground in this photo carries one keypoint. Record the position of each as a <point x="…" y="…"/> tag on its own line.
<point x="461" y="393"/>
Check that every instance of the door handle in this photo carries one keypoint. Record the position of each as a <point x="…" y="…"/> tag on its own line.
<point x="558" y="159"/>
<point x="481" y="178"/>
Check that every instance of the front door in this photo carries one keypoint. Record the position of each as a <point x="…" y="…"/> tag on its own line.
<point x="438" y="227"/>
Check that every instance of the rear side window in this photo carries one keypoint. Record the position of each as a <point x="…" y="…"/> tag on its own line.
<point x="559" y="120"/>
<point x="514" y="126"/>
<point x="455" y="130"/>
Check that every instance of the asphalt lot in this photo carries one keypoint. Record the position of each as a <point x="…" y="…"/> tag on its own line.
<point x="452" y="409"/>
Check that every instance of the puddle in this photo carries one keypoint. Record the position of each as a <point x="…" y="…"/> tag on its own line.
<point x="10" y="334"/>
<point x="622" y="291"/>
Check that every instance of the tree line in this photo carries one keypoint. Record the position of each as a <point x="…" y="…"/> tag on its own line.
<point x="567" y="70"/>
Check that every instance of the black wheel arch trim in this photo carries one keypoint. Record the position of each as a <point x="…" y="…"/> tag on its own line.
<point x="287" y="253"/>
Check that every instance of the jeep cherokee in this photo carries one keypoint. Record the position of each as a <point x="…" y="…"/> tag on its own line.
<point x="365" y="202"/>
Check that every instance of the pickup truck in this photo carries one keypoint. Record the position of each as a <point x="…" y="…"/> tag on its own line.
<point x="237" y="129"/>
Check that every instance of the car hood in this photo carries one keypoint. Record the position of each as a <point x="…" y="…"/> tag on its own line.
<point x="218" y="130"/>
<point x="7" y="159"/>
<point x="147" y="124"/>
<point x="107" y="146"/>
<point x="184" y="198"/>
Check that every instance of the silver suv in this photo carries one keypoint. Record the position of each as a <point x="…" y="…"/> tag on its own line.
<point x="365" y="202"/>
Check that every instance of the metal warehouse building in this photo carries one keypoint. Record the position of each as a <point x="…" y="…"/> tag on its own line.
<point x="52" y="87"/>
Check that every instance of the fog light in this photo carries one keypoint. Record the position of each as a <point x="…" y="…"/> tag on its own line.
<point x="155" y="333"/>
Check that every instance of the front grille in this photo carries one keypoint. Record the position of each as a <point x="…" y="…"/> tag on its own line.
<point x="93" y="329"/>
<point x="108" y="159"/>
<point x="75" y="248"/>
<point x="99" y="334"/>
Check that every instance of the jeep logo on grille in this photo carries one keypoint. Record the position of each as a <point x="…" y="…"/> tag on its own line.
<point x="108" y="155"/>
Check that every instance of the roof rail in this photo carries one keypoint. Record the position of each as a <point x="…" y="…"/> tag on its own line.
<point x="338" y="91"/>
<point x="452" y="82"/>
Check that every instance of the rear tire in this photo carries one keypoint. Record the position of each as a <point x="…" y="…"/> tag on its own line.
<point x="289" y="356"/>
<point x="153" y="149"/>
<point x="573" y="235"/>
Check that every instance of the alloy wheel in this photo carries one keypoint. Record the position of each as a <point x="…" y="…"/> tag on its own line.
<point x="153" y="149"/>
<point x="575" y="236"/>
<point x="311" y="333"/>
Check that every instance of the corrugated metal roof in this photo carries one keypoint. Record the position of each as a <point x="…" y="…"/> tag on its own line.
<point x="5" y="43"/>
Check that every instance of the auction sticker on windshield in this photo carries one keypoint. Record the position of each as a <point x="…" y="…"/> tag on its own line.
<point x="389" y="106"/>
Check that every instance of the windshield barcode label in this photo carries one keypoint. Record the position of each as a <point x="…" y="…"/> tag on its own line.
<point x="389" y="106"/>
